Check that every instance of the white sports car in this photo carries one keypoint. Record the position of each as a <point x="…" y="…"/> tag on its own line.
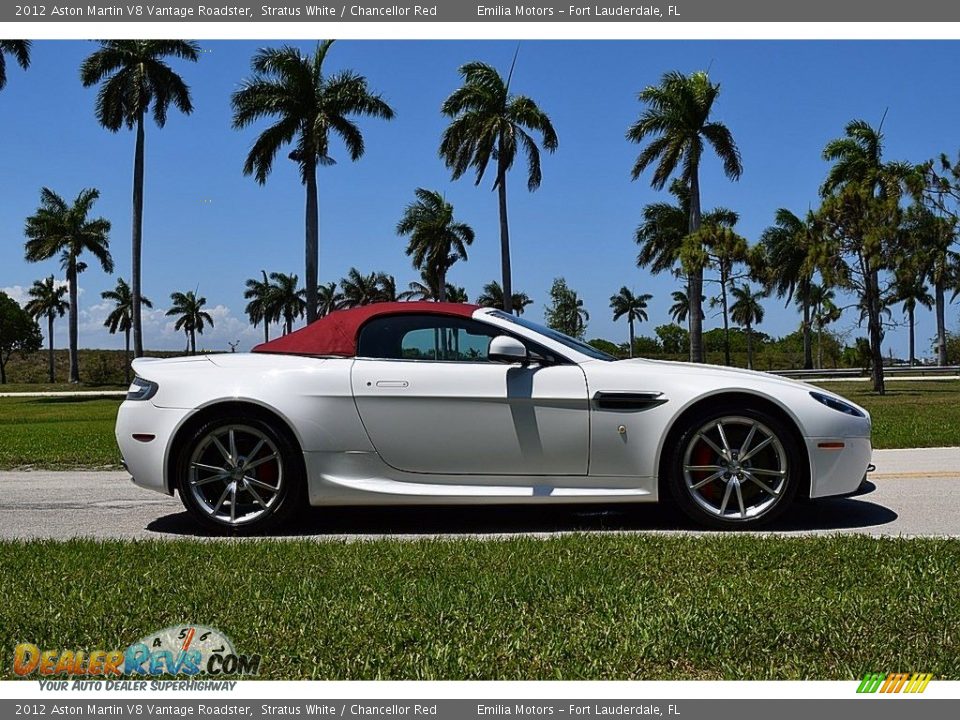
<point x="436" y="403"/>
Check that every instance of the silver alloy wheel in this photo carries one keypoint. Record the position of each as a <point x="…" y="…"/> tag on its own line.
<point x="735" y="468"/>
<point x="235" y="474"/>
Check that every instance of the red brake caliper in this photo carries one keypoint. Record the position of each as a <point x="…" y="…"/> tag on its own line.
<point x="703" y="454"/>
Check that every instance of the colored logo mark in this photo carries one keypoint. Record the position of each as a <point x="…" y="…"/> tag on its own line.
<point x="894" y="682"/>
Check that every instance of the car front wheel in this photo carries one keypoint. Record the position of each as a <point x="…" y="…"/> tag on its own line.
<point x="239" y="474"/>
<point x="735" y="468"/>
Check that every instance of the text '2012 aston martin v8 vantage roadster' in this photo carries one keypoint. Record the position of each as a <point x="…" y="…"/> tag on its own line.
<point x="440" y="403"/>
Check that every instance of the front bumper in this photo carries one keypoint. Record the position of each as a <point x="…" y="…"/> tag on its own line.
<point x="145" y="456"/>
<point x="837" y="470"/>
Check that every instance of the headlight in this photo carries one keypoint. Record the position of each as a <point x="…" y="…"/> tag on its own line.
<point x="141" y="389"/>
<point x="837" y="405"/>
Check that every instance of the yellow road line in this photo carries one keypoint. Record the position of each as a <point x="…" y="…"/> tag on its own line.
<point x="932" y="473"/>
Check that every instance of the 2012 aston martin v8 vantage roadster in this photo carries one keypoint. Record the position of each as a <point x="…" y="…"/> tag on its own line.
<point x="439" y="403"/>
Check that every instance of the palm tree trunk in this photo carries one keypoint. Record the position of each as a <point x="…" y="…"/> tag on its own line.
<point x="876" y="332"/>
<point x="807" y="349"/>
<point x="50" y="343"/>
<point x="941" y="324"/>
<point x="312" y="240"/>
<point x="193" y="342"/>
<point x="442" y="289"/>
<point x="749" y="346"/>
<point x="137" y="242"/>
<point x="910" y="318"/>
<point x="504" y="235"/>
<point x="726" y="318"/>
<point x="630" y="323"/>
<point x="820" y="344"/>
<point x="695" y="279"/>
<point x="266" y="330"/>
<point x="126" y="353"/>
<point x="74" y="317"/>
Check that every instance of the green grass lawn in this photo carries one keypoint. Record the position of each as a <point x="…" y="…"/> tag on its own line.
<point x="78" y="432"/>
<point x="911" y="414"/>
<point x="64" y="432"/>
<point x="57" y="387"/>
<point x="573" y="607"/>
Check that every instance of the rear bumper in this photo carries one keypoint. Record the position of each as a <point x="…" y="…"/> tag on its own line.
<point x="835" y="470"/>
<point x="146" y="459"/>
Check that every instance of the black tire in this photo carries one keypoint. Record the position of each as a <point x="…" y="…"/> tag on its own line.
<point x="275" y="462"/>
<point x="740" y="482"/>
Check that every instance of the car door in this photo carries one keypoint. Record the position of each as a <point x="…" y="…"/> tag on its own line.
<point x="432" y="402"/>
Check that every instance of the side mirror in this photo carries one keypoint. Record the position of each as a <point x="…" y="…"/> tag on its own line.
<point x="504" y="348"/>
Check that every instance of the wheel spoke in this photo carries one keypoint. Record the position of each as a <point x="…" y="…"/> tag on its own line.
<point x="757" y="448"/>
<point x="723" y="438"/>
<point x="710" y="478"/>
<point x="763" y="486"/>
<point x="233" y="447"/>
<point x="256" y="448"/>
<point x="261" y="461"/>
<point x="743" y="510"/>
<point x="212" y="478"/>
<point x="233" y="495"/>
<point x="211" y="468"/>
<point x="226" y="491"/>
<point x="764" y="471"/>
<point x="260" y="484"/>
<point x="726" y="497"/>
<point x="256" y="496"/>
<point x="748" y="439"/>
<point x="702" y="468"/>
<point x="222" y="449"/>
<point x="710" y="442"/>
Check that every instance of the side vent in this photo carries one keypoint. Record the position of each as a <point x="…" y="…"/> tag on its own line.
<point x="632" y="401"/>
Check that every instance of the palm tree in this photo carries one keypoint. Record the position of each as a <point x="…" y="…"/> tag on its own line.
<point x="825" y="312"/>
<point x="857" y="159"/>
<point x="307" y="105"/>
<point x="426" y="289"/>
<point x="57" y="227"/>
<point x="287" y="301"/>
<point x="634" y="307"/>
<point x="121" y="317"/>
<point x="386" y="288"/>
<point x="456" y="294"/>
<point x="261" y="307"/>
<point x="436" y="239"/>
<point x="20" y="50"/>
<point x="328" y="299"/>
<point x="747" y="311"/>
<point x="359" y="289"/>
<point x="47" y="301"/>
<point x="566" y="312"/>
<point x="680" y="310"/>
<point x="191" y="317"/>
<point x="492" y="296"/>
<point x="677" y="118"/>
<point x="136" y="80"/>
<point x="787" y="244"/>
<point x="488" y="122"/>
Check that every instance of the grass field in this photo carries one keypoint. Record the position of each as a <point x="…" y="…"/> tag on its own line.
<point x="573" y="607"/>
<point x="58" y="432"/>
<point x="78" y="432"/>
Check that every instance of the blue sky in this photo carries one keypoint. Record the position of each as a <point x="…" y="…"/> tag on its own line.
<point x="209" y="227"/>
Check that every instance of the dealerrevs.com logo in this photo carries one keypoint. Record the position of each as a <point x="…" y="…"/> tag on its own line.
<point x="177" y="650"/>
<point x="894" y="683"/>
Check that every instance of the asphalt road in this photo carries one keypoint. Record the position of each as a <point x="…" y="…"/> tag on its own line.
<point x="912" y="492"/>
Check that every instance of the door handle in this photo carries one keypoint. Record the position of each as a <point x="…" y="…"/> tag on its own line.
<point x="392" y="384"/>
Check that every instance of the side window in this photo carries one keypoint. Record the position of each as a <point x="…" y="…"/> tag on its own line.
<point x="425" y="337"/>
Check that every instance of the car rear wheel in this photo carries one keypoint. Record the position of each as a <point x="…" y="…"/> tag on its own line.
<point x="735" y="468"/>
<point x="239" y="474"/>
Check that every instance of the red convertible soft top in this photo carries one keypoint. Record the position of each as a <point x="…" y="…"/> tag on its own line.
<point x="336" y="334"/>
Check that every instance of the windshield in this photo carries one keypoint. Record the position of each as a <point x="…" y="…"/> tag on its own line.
<point x="572" y="343"/>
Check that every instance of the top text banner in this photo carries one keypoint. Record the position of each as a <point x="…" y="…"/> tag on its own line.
<point x="472" y="11"/>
